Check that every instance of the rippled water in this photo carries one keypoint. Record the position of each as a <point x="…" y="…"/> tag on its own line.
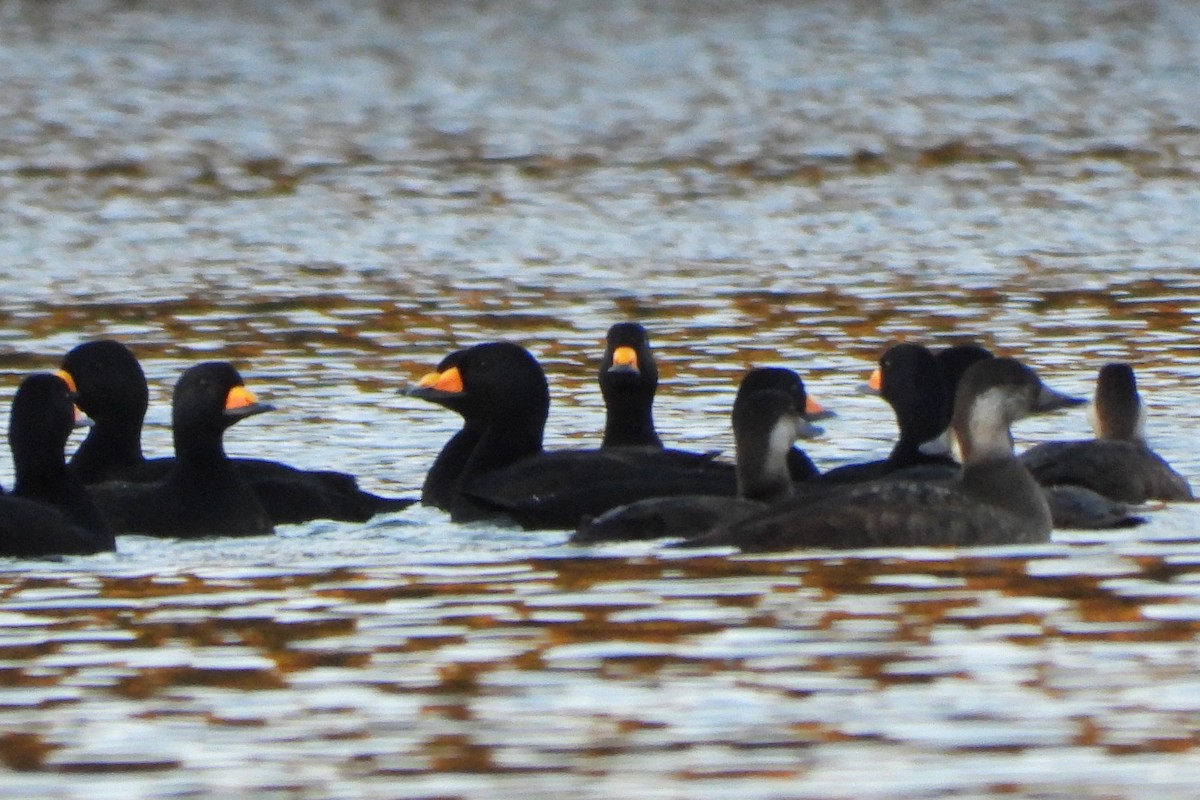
<point x="334" y="195"/>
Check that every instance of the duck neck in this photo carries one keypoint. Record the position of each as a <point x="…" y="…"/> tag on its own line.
<point x="443" y="476"/>
<point x="630" y="421"/>
<point x="40" y="476"/>
<point x="983" y="434"/>
<point x="200" y="448"/>
<point x="920" y="419"/>
<point x="762" y="465"/>
<point x="49" y="480"/>
<point x="108" y="448"/>
<point x="1127" y="423"/>
<point x="501" y="445"/>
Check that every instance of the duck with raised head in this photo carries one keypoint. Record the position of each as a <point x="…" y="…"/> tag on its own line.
<point x="782" y="379"/>
<point x="112" y="391"/>
<point x="920" y="386"/>
<point x="628" y="380"/>
<point x="202" y="493"/>
<point x="495" y="466"/>
<point x="911" y="381"/>
<point x="49" y="511"/>
<point x="766" y="421"/>
<point x="1118" y="463"/>
<point x="994" y="500"/>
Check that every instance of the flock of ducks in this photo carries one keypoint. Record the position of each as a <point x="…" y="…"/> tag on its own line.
<point x="959" y="400"/>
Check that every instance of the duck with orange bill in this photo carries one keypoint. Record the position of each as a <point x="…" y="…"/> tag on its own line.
<point x="202" y="494"/>
<point x="910" y="380"/>
<point x="628" y="381"/>
<point x="49" y="511"/>
<point x="495" y="467"/>
<point x="112" y="390"/>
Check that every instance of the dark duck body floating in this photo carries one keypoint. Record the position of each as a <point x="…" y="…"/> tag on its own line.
<point x="1118" y="463"/>
<point x="496" y="468"/>
<point x="49" y="511"/>
<point x="994" y="500"/>
<point x="113" y="392"/>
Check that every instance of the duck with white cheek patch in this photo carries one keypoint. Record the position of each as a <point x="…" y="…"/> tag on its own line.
<point x="994" y="501"/>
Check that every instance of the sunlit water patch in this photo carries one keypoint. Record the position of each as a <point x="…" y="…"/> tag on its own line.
<point x="335" y="197"/>
<point x="698" y="676"/>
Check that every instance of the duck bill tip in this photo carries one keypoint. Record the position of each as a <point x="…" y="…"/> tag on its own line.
<point x="806" y="430"/>
<point x="248" y="410"/>
<point x="1051" y="400"/>
<point x="813" y="410"/>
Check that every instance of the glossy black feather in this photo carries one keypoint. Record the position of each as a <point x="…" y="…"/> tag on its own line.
<point x="112" y="391"/>
<point x="202" y="493"/>
<point x="49" y="511"/>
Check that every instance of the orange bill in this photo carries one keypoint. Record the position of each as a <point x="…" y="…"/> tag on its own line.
<point x="66" y="376"/>
<point x="875" y="382"/>
<point x="239" y="397"/>
<point x="448" y="381"/>
<point x="625" y="356"/>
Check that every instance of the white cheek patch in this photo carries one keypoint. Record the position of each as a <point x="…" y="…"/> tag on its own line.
<point x="778" y="444"/>
<point x="987" y="426"/>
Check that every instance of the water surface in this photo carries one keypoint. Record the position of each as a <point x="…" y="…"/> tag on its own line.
<point x="333" y="196"/>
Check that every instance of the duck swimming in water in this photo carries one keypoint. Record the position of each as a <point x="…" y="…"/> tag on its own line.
<point x="1118" y="463"/>
<point x="495" y="466"/>
<point x="112" y="390"/>
<point x="202" y="494"/>
<point x="49" y="511"/>
<point x="628" y="381"/>
<point x="994" y="501"/>
<point x="911" y="380"/>
<point x="766" y="421"/>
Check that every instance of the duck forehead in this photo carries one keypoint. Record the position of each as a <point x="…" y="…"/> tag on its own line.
<point x="631" y="333"/>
